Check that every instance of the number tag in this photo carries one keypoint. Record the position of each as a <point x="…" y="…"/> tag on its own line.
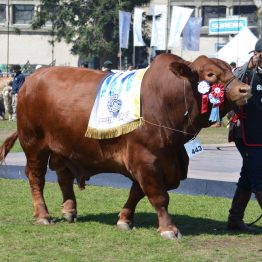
<point x="193" y="147"/>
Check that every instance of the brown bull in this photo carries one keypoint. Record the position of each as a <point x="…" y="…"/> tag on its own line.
<point x="53" y="109"/>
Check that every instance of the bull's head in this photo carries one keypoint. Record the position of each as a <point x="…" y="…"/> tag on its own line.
<point x="214" y="71"/>
<point x="217" y="71"/>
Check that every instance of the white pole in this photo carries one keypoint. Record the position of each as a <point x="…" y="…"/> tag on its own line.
<point x="134" y="56"/>
<point x="120" y="59"/>
<point x="167" y="22"/>
<point x="8" y="33"/>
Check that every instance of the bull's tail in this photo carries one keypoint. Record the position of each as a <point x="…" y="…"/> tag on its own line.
<point x="7" y="145"/>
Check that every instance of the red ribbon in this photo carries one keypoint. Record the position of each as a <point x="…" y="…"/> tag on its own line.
<point x="204" y="104"/>
<point x="217" y="90"/>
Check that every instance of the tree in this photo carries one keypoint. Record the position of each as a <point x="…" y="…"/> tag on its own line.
<point x="259" y="16"/>
<point x="91" y="26"/>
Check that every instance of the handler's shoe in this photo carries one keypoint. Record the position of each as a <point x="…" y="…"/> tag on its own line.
<point x="238" y="225"/>
<point x="217" y="124"/>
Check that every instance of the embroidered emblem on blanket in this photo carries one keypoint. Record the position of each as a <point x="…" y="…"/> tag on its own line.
<point x="116" y="110"/>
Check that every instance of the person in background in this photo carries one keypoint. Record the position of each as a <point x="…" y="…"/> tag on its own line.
<point x="17" y="82"/>
<point x="107" y="66"/>
<point x="7" y="98"/>
<point x="38" y="67"/>
<point x="246" y="131"/>
<point x="218" y="123"/>
<point x="84" y="64"/>
<point x="2" y="108"/>
<point x="130" y="67"/>
<point x="233" y="66"/>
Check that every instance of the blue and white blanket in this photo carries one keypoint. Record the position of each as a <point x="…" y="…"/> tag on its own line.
<point x="116" y="110"/>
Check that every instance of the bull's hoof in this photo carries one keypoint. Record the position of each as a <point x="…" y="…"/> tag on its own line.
<point x="45" y="221"/>
<point x="124" y="226"/>
<point x="69" y="217"/>
<point x="171" y="235"/>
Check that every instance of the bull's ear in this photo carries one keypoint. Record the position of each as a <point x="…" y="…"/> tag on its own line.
<point x="182" y="70"/>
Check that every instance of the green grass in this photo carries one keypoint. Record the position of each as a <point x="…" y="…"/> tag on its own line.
<point x="6" y="129"/>
<point x="213" y="135"/>
<point x="201" y="220"/>
<point x="206" y="136"/>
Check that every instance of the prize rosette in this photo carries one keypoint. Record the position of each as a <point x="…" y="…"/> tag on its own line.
<point x="216" y="97"/>
<point x="203" y="88"/>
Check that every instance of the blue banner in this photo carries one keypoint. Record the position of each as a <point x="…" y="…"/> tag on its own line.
<point x="124" y="27"/>
<point x="191" y="34"/>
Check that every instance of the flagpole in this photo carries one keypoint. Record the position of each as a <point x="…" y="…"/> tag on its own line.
<point x="167" y="23"/>
<point x="8" y="33"/>
<point x="120" y="59"/>
<point x="134" y="56"/>
<point x="120" y="55"/>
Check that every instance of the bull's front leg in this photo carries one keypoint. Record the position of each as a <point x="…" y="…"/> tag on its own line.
<point x="66" y="183"/>
<point x="126" y="216"/>
<point x="158" y="196"/>
<point x="35" y="171"/>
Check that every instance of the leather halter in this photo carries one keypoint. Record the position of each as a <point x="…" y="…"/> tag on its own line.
<point x="227" y="85"/>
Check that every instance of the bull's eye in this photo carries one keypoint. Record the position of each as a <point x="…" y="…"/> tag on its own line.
<point x="210" y="74"/>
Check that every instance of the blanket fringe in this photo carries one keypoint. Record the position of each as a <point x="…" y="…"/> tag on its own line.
<point x="113" y="132"/>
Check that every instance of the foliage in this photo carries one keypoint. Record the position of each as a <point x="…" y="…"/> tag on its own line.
<point x="91" y="26"/>
<point x="94" y="237"/>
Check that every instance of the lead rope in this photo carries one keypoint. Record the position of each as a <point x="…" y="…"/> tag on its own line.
<point x="252" y="223"/>
<point x="254" y="71"/>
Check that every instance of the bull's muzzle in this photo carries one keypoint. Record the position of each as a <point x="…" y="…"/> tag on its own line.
<point x="239" y="93"/>
<point x="245" y="91"/>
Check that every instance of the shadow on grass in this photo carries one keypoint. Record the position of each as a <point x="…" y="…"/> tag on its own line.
<point x="186" y="224"/>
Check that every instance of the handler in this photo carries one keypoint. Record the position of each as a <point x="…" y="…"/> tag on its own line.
<point x="246" y="132"/>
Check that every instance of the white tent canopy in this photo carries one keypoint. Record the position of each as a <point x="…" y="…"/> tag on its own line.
<point x="237" y="50"/>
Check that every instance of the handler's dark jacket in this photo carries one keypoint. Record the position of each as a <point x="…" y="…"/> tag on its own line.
<point x="18" y="80"/>
<point x="251" y="114"/>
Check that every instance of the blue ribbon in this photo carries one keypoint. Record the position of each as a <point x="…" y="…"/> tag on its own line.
<point x="214" y="115"/>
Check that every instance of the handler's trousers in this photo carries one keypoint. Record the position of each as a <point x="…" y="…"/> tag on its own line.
<point x="14" y="104"/>
<point x="8" y="101"/>
<point x="251" y="171"/>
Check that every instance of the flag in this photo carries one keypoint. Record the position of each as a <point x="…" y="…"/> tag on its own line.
<point x="124" y="27"/>
<point x="191" y="34"/>
<point x="137" y="27"/>
<point x="158" y="34"/>
<point x="180" y="16"/>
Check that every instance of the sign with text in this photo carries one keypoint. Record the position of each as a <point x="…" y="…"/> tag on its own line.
<point x="226" y="25"/>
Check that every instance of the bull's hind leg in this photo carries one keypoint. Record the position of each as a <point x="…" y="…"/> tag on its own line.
<point x="126" y="215"/>
<point x="36" y="167"/>
<point x="66" y="183"/>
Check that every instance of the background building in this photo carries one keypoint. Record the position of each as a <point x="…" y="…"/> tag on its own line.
<point x="208" y="9"/>
<point x="20" y="44"/>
